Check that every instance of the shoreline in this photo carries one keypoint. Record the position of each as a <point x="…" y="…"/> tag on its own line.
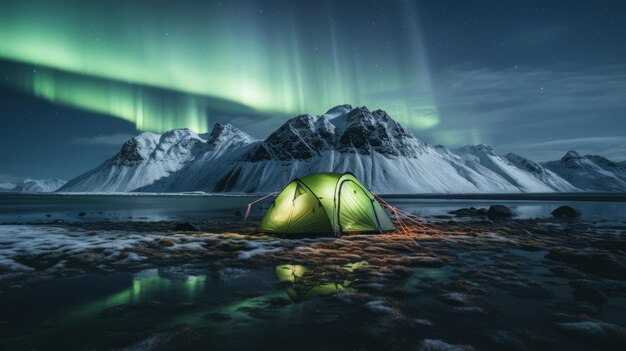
<point x="570" y="276"/>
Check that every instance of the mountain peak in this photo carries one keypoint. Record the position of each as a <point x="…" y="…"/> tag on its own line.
<point x="136" y="149"/>
<point x="300" y="138"/>
<point x="571" y="155"/>
<point x="590" y="172"/>
<point x="227" y="135"/>
<point x="338" y="110"/>
<point x="363" y="131"/>
<point x="476" y="149"/>
<point x="344" y="129"/>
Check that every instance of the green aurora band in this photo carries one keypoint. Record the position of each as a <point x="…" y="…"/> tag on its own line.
<point x="110" y="57"/>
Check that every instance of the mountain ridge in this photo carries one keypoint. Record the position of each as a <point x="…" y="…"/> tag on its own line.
<point x="33" y="185"/>
<point x="386" y="156"/>
<point x="590" y="172"/>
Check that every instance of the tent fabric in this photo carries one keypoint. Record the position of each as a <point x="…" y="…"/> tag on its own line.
<point x="325" y="203"/>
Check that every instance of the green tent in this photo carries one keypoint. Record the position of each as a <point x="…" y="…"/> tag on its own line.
<point x="325" y="203"/>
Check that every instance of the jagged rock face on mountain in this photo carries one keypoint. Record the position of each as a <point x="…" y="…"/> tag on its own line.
<point x="384" y="155"/>
<point x="135" y="150"/>
<point x="342" y="129"/>
<point x="572" y="160"/>
<point x="300" y="138"/>
<point x="225" y="136"/>
<point x="178" y="145"/>
<point x="525" y="163"/>
<point x="366" y="132"/>
<point x="590" y="172"/>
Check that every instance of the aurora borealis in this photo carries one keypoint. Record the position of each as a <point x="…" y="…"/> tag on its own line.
<point x="274" y="57"/>
<point x="531" y="77"/>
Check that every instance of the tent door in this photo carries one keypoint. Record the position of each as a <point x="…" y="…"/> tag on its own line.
<point x="354" y="209"/>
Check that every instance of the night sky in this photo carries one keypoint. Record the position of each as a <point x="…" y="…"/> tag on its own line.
<point x="78" y="78"/>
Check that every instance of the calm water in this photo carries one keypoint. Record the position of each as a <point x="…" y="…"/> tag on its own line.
<point x="42" y="208"/>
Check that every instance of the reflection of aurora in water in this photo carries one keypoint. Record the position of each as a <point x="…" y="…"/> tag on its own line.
<point x="228" y="52"/>
<point x="145" y="286"/>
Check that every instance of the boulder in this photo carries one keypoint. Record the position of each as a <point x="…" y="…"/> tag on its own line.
<point x="566" y="212"/>
<point x="586" y="290"/>
<point x="472" y="211"/>
<point x="599" y="263"/>
<point x="499" y="211"/>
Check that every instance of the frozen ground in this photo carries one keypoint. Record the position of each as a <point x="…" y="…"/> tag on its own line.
<point x="522" y="284"/>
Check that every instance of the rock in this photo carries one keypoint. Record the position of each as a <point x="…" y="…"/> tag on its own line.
<point x="81" y="214"/>
<point x="186" y="227"/>
<point x="472" y="211"/>
<point x="586" y="290"/>
<point x="439" y="345"/>
<point x="48" y="215"/>
<point x="566" y="212"/>
<point x="499" y="211"/>
<point x="166" y="242"/>
<point x="237" y="213"/>
<point x="599" y="263"/>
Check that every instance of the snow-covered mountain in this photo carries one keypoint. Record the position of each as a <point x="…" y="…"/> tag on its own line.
<point x="590" y="172"/>
<point x="149" y="157"/>
<point x="386" y="156"/>
<point x="33" y="186"/>
<point x="519" y="171"/>
<point x="5" y="186"/>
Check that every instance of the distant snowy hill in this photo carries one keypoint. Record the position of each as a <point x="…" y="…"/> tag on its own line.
<point x="386" y="156"/>
<point x="590" y="172"/>
<point x="149" y="157"/>
<point x="521" y="172"/>
<point x="7" y="187"/>
<point x="33" y="186"/>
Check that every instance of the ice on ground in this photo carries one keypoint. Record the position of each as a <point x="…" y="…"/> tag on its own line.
<point x="439" y="345"/>
<point x="379" y="307"/>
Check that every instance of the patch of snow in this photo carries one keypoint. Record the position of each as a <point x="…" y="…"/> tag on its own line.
<point x="379" y="307"/>
<point x="261" y="249"/>
<point x="439" y="345"/>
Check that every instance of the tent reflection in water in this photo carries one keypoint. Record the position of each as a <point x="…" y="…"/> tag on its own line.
<point x="325" y="203"/>
<point x="301" y="285"/>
